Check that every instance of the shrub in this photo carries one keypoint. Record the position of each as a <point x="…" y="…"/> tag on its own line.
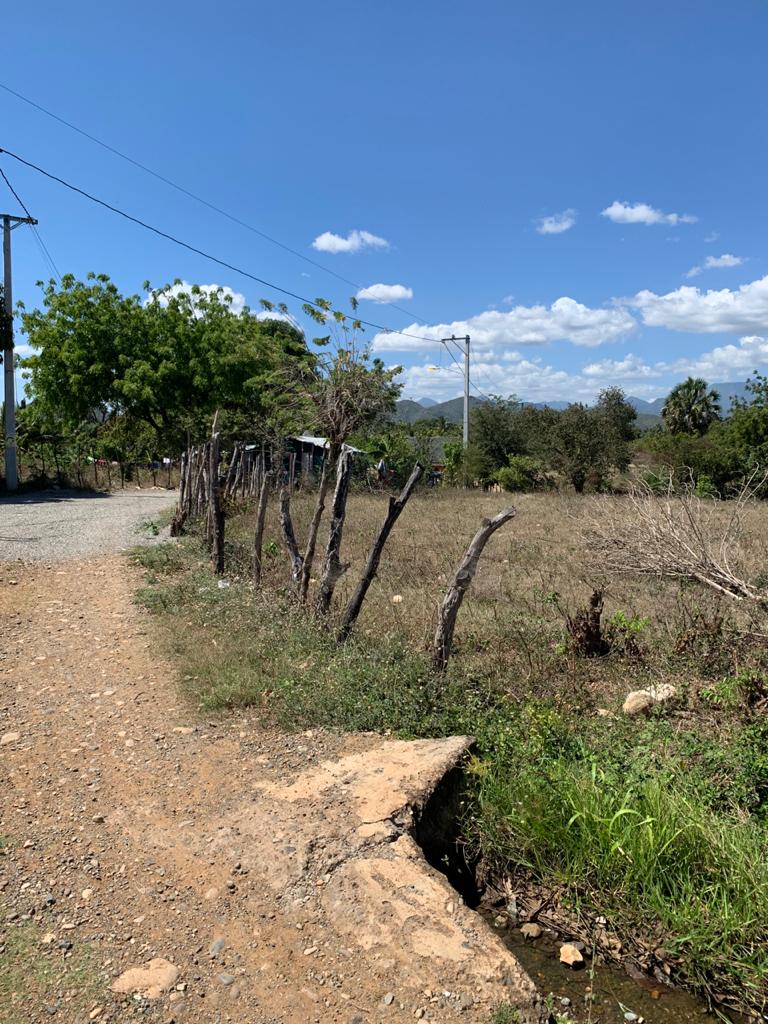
<point x="522" y="473"/>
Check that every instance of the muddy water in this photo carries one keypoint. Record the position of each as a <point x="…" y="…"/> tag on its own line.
<point x="607" y="994"/>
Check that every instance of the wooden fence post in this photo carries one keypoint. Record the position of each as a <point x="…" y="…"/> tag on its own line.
<point x="258" y="536"/>
<point x="449" y="609"/>
<point x="215" y="506"/>
<point x="333" y="568"/>
<point x="396" y="506"/>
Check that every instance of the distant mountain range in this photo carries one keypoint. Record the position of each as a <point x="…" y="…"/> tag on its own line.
<point x="648" y="413"/>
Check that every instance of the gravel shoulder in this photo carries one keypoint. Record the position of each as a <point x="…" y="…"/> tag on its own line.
<point x="56" y="525"/>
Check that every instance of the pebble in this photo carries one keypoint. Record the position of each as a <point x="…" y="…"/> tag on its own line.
<point x="571" y="956"/>
<point x="388" y="999"/>
<point x="98" y="819"/>
<point x="226" y="979"/>
<point x="9" y="737"/>
<point x="531" y="930"/>
<point x="216" y="946"/>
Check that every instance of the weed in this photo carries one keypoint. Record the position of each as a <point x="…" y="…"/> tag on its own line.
<point x="505" y="1014"/>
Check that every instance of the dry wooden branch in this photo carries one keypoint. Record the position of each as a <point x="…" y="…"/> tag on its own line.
<point x="449" y="609"/>
<point x="396" y="506"/>
<point x="329" y="464"/>
<point x="677" y="536"/>
<point x="333" y="568"/>
<point x="289" y="535"/>
<point x="258" y="536"/>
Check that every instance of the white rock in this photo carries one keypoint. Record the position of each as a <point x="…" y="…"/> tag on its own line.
<point x="9" y="737"/>
<point x="571" y="956"/>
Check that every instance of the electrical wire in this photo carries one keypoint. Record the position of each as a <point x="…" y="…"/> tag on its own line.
<point x="200" y="252"/>
<point x="198" y="199"/>
<point x="38" y="237"/>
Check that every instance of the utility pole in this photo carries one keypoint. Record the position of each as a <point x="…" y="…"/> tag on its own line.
<point x="11" y="467"/>
<point x="465" y="339"/>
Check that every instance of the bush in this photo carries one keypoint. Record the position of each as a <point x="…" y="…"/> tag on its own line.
<point x="522" y="473"/>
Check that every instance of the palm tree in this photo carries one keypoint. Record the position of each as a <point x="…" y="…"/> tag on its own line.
<point x="691" y="407"/>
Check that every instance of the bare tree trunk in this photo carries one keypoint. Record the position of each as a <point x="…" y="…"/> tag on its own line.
<point x="258" y="536"/>
<point x="329" y="464"/>
<point x="333" y="568"/>
<point x="289" y="535"/>
<point x="216" y="507"/>
<point x="396" y="506"/>
<point x="449" y="609"/>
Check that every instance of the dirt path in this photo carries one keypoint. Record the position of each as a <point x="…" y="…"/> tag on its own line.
<point x="274" y="874"/>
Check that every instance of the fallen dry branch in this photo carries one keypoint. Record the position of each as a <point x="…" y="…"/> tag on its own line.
<point x="449" y="609"/>
<point x="676" y="536"/>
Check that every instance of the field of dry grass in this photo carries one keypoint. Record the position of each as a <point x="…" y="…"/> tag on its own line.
<point x="534" y="571"/>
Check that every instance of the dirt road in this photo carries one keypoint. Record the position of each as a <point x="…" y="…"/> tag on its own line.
<point x="268" y="878"/>
<point x="51" y="526"/>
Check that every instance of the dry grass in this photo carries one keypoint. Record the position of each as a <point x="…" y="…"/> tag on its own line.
<point x="533" y="573"/>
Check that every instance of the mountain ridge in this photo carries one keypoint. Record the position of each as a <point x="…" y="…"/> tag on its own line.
<point x="409" y="410"/>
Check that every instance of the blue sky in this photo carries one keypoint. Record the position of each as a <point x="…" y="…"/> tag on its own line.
<point x="545" y="176"/>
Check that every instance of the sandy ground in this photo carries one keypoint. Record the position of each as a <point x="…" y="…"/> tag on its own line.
<point x="269" y="877"/>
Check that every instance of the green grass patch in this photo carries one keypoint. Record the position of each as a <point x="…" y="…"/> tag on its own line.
<point x="32" y="976"/>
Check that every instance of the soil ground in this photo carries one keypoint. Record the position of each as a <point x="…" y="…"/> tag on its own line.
<point x="133" y="831"/>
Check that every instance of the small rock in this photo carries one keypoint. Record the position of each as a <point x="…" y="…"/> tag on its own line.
<point x="86" y="894"/>
<point x="565" y="1001"/>
<point x="226" y="979"/>
<point x="158" y="976"/>
<point x="310" y="950"/>
<point x="9" y="737"/>
<point x="48" y="938"/>
<point x="98" y="819"/>
<point x="95" y="1013"/>
<point x="184" y="730"/>
<point x="388" y="999"/>
<point x="637" y="702"/>
<point x="49" y="899"/>
<point x="531" y="930"/>
<point x="631" y="1017"/>
<point x="216" y="947"/>
<point x="571" y="956"/>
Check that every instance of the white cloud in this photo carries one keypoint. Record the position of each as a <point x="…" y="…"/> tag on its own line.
<point x="642" y="213"/>
<point x="723" y="362"/>
<point x="354" y="242"/>
<point x="712" y="262"/>
<point x="385" y="293"/>
<point x="712" y="237"/>
<point x="712" y="312"/>
<point x="237" y="301"/>
<point x="564" y="320"/>
<point x="557" y="223"/>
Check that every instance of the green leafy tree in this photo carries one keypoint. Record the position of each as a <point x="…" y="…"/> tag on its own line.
<point x="168" y="361"/>
<point x="691" y="407"/>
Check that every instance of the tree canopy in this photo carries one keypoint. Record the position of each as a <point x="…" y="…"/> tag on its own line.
<point x="168" y="360"/>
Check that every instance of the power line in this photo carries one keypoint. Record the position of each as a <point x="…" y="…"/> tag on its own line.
<point x="38" y="237"/>
<point x="195" y="197"/>
<point x="200" y="252"/>
<point x="15" y="194"/>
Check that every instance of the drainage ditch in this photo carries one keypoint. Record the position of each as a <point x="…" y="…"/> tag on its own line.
<point x="600" y="992"/>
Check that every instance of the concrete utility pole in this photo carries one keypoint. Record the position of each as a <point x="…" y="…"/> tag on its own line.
<point x="11" y="467"/>
<point x="465" y="339"/>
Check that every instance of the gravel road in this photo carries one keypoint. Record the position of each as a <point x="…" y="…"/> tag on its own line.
<point x="51" y="526"/>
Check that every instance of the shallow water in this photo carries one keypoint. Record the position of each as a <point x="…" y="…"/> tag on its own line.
<point x="609" y="993"/>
